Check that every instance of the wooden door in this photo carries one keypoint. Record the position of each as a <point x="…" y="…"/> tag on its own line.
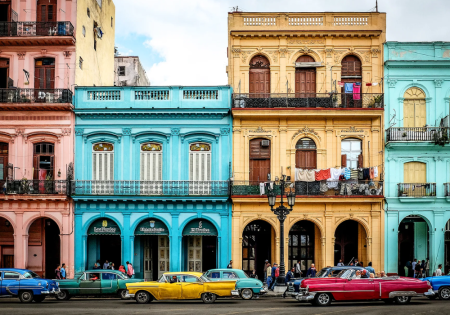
<point x="148" y="259"/>
<point x="305" y="79"/>
<point x="351" y="72"/>
<point x="163" y="254"/>
<point x="259" y="160"/>
<point x="195" y="253"/>
<point x="306" y="159"/>
<point x="46" y="10"/>
<point x="259" y="76"/>
<point x="351" y="66"/>
<point x="44" y="78"/>
<point x="3" y="161"/>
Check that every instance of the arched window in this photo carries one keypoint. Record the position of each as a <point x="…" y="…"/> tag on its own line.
<point x="351" y="76"/>
<point x="259" y="76"/>
<point x="151" y="161"/>
<point x="306" y="154"/>
<point x="3" y="160"/>
<point x="259" y="160"/>
<point x="200" y="161"/>
<point x="414" y="108"/>
<point x="351" y="150"/>
<point x="43" y="160"/>
<point x="103" y="161"/>
<point x="305" y="77"/>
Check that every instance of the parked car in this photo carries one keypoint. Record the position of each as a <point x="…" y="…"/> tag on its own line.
<point x="26" y="285"/>
<point x="345" y="287"/>
<point x="293" y="286"/>
<point x="247" y="287"/>
<point x="95" y="282"/>
<point x="441" y="287"/>
<point x="181" y="286"/>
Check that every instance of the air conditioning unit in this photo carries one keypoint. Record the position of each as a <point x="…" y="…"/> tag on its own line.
<point x="265" y="143"/>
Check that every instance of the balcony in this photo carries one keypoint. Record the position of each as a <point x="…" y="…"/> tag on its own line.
<point x="418" y="134"/>
<point x="416" y="190"/>
<point x="308" y="100"/>
<point x="35" y="99"/>
<point x="175" y="188"/>
<point x="34" y="187"/>
<point x="347" y="188"/>
<point x="36" y="33"/>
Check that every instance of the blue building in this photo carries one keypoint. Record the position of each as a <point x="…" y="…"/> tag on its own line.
<point x="151" y="178"/>
<point x="417" y="91"/>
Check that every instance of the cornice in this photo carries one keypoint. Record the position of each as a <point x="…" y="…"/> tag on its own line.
<point x="152" y="115"/>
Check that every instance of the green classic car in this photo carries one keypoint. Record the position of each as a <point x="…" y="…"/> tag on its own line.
<point x="95" y="282"/>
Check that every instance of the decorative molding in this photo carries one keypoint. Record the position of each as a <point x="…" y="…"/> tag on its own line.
<point x="392" y="83"/>
<point x="306" y="131"/>
<point x="79" y="131"/>
<point x="236" y="129"/>
<point x="19" y="131"/>
<point x="236" y="52"/>
<point x="273" y="54"/>
<point x="329" y="52"/>
<point x="438" y="83"/>
<point x="283" y="52"/>
<point x="126" y="131"/>
<point x="352" y="129"/>
<point x="437" y="158"/>
<point x="153" y="116"/>
<point x="67" y="54"/>
<point x="224" y="131"/>
<point x="375" y="52"/>
<point x="365" y="54"/>
<point x="66" y="131"/>
<point x="282" y="129"/>
<point x="244" y="55"/>
<point x="43" y="52"/>
<point x="259" y="130"/>
<point x="175" y="131"/>
<point x="21" y="55"/>
<point x="337" y="55"/>
<point x="306" y="41"/>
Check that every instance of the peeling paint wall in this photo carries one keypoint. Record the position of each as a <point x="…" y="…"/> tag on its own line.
<point x="133" y="75"/>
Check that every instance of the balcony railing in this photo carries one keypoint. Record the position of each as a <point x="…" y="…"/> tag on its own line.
<point x="447" y="189"/>
<point x="308" y="100"/>
<point x="417" y="133"/>
<point x="34" y="187"/>
<point x="318" y="188"/>
<point x="35" y="96"/>
<point x="150" y="188"/>
<point x="13" y="29"/>
<point x="416" y="189"/>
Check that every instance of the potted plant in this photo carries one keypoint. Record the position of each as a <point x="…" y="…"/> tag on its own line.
<point x="377" y="100"/>
<point x="335" y="101"/>
<point x="440" y="138"/>
<point x="24" y="186"/>
<point x="48" y="184"/>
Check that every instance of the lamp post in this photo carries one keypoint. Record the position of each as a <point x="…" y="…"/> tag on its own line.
<point x="281" y="212"/>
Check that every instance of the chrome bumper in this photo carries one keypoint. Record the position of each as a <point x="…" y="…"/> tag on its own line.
<point x="129" y="295"/>
<point x="305" y="298"/>
<point x="235" y="292"/>
<point x="52" y="292"/>
<point x="430" y="292"/>
<point x="263" y="290"/>
<point x="394" y="294"/>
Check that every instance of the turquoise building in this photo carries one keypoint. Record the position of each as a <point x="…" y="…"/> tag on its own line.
<point x="417" y="155"/>
<point x="151" y="186"/>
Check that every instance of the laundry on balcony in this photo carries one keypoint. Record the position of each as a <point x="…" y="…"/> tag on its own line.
<point x="357" y="91"/>
<point x="323" y="174"/>
<point x="348" y="87"/>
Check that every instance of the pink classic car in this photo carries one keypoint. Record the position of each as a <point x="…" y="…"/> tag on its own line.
<point x="345" y="287"/>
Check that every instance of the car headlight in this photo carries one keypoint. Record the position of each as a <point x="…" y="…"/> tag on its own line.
<point x="39" y="283"/>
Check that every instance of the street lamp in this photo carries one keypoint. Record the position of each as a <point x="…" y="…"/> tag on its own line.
<point x="281" y="212"/>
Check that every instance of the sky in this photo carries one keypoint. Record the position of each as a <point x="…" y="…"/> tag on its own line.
<point x="184" y="42"/>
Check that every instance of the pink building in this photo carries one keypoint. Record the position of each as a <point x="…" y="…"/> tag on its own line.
<point x="40" y="59"/>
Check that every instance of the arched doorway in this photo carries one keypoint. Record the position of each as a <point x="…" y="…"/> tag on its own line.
<point x="6" y="244"/>
<point x="257" y="247"/>
<point x="305" y="77"/>
<point x="414" y="108"/>
<point x="351" y="76"/>
<point x="200" y="245"/>
<point x="259" y="161"/>
<point x="259" y="77"/>
<point x="44" y="79"/>
<point x="413" y="242"/>
<point x="44" y="247"/>
<point x="104" y="243"/>
<point x="151" y="248"/>
<point x="303" y="238"/>
<point x="350" y="243"/>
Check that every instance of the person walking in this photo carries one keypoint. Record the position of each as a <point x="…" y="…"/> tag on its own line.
<point x="122" y="269"/>
<point x="106" y="265"/>
<point x="96" y="266"/>
<point x="413" y="267"/>
<point x="369" y="268"/>
<point x="340" y="263"/>
<point x="230" y="265"/>
<point x="269" y="276"/>
<point x="438" y="271"/>
<point x="130" y="270"/>
<point x="418" y="270"/>
<point x="275" y="275"/>
<point x="298" y="269"/>
<point x="426" y="268"/>
<point x="111" y="266"/>
<point x="58" y="272"/>
<point x="266" y="264"/>
<point x="63" y="271"/>
<point x="311" y="271"/>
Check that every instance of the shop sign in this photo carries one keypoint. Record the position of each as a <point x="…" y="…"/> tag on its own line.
<point x="151" y="227"/>
<point x="104" y="227"/>
<point x="200" y="227"/>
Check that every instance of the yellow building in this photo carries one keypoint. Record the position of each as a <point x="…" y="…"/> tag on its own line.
<point x="290" y="115"/>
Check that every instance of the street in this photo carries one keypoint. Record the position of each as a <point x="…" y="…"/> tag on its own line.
<point x="265" y="305"/>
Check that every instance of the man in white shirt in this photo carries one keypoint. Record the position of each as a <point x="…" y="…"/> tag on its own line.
<point x="414" y="263"/>
<point x="439" y="271"/>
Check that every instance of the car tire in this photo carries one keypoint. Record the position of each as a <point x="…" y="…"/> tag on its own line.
<point x="122" y="294"/>
<point x="322" y="299"/>
<point x="402" y="300"/>
<point x="143" y="297"/>
<point x="246" y="294"/>
<point x="39" y="298"/>
<point x="444" y="293"/>
<point x="26" y="296"/>
<point x="208" y="297"/>
<point x="62" y="296"/>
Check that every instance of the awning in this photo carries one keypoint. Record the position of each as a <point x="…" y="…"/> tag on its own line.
<point x="151" y="227"/>
<point x="200" y="227"/>
<point x="104" y="227"/>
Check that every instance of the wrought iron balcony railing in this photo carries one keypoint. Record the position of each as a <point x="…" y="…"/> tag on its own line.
<point x="24" y="29"/>
<point x="416" y="189"/>
<point x="308" y="100"/>
<point x="34" y="187"/>
<point x="150" y="188"/>
<point x="417" y="134"/>
<point x="318" y="188"/>
<point x="447" y="189"/>
<point x="35" y="96"/>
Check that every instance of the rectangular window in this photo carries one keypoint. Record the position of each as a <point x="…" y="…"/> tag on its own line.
<point x="81" y="63"/>
<point x="121" y="70"/>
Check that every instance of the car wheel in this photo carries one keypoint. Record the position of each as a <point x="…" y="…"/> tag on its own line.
<point x="322" y="299"/>
<point x="208" y="298"/>
<point x="402" y="300"/>
<point x="26" y="296"/>
<point x="246" y="294"/>
<point x="62" y="296"/>
<point x="143" y="297"/>
<point x="444" y="293"/>
<point x="122" y="294"/>
<point x="39" y="298"/>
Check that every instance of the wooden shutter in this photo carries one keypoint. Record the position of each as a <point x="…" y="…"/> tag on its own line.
<point x="103" y="166"/>
<point x="3" y="167"/>
<point x="351" y="66"/>
<point x="414" y="172"/>
<point x="52" y="166"/>
<point x="408" y="114"/>
<point x="35" y="167"/>
<point x="46" y="10"/>
<point x="420" y="113"/>
<point x="200" y="166"/>
<point x="360" y="161"/>
<point x="305" y="78"/>
<point x="50" y="78"/>
<point x="344" y="160"/>
<point x="39" y="78"/>
<point x="306" y="159"/>
<point x="151" y="166"/>
<point x="259" y="161"/>
<point x="259" y="75"/>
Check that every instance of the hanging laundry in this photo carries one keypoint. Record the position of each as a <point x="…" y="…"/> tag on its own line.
<point x="345" y="189"/>
<point x="348" y="87"/>
<point x="356" y="91"/>
<point x="310" y="176"/>
<point x="334" y="177"/>
<point x="375" y="171"/>
<point x="366" y="174"/>
<point x="375" y="83"/>
<point x="261" y="189"/>
<point x="368" y="84"/>
<point x="323" y="186"/>
<point x="347" y="173"/>
<point x="360" y="174"/>
<point x="322" y="174"/>
<point x="340" y="83"/>
<point x="354" y="174"/>
<point x="371" y="173"/>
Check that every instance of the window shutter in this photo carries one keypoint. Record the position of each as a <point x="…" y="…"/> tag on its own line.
<point x="159" y="159"/>
<point x="360" y="161"/>
<point x="52" y="166"/>
<point x="35" y="167"/>
<point x="344" y="160"/>
<point x="111" y="166"/>
<point x="191" y="166"/>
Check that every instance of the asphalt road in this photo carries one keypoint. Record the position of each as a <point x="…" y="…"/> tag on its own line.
<point x="264" y="305"/>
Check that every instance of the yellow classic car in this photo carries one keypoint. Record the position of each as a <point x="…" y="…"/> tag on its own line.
<point x="181" y="286"/>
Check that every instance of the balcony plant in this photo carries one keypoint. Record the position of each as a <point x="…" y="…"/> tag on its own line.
<point x="440" y="138"/>
<point x="48" y="184"/>
<point x="24" y="187"/>
<point x="376" y="101"/>
<point x="24" y="99"/>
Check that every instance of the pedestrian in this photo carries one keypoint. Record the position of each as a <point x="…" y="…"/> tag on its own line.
<point x="111" y="266"/>
<point x="253" y="274"/>
<point x="277" y="274"/>
<point x="289" y="275"/>
<point x="122" y="269"/>
<point x="408" y="267"/>
<point x="269" y="276"/>
<point x="438" y="271"/>
<point x="356" y="262"/>
<point x="298" y="269"/>
<point x="418" y="273"/>
<point x="96" y="266"/>
<point x="311" y="271"/>
<point x="427" y="267"/>
<point x="99" y="264"/>
<point x="58" y="272"/>
<point x="106" y="265"/>
<point x="130" y="270"/>
<point x="266" y="264"/>
<point x="340" y="263"/>
<point x="413" y="267"/>
<point x="369" y="268"/>
<point x="63" y="271"/>
<point x="274" y="276"/>
<point x="230" y="265"/>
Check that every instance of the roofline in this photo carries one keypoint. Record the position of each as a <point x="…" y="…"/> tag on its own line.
<point x="307" y="12"/>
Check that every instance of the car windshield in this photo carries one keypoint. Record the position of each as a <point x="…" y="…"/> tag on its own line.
<point x="322" y="273"/>
<point x="30" y="275"/>
<point x="204" y="279"/>
<point x="124" y="275"/>
<point x="346" y="274"/>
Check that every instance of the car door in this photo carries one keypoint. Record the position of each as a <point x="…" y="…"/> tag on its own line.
<point x="214" y="275"/>
<point x="191" y="287"/>
<point x="108" y="283"/>
<point x="170" y="291"/>
<point x="90" y="285"/>
<point x="360" y="289"/>
<point x="10" y="279"/>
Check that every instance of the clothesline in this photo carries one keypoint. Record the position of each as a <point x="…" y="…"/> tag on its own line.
<point x="335" y="174"/>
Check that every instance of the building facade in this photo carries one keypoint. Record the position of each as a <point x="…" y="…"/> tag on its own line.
<point x="291" y="114"/>
<point x="40" y="43"/>
<point x="151" y="178"/>
<point x="129" y="72"/>
<point x="417" y="82"/>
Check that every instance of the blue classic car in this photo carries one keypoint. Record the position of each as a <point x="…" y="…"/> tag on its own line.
<point x="247" y="287"/>
<point x="26" y="285"/>
<point x="441" y="287"/>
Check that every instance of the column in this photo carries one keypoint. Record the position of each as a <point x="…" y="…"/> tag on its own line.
<point x="126" y="155"/>
<point x="329" y="235"/>
<point x="391" y="242"/>
<point x="175" y="149"/>
<point x="20" y="248"/>
<point x="225" y="154"/>
<point x="127" y="249"/>
<point x="283" y="145"/>
<point x="437" y="241"/>
<point x="80" y="244"/>
<point x="175" y="245"/>
<point x="224" y="245"/>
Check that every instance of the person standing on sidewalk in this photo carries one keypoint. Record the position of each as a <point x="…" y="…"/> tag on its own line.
<point x="298" y="269"/>
<point x="230" y="265"/>
<point x="58" y="272"/>
<point x="311" y="271"/>
<point x="275" y="275"/>
<point x="63" y="271"/>
<point x="269" y="275"/>
<point x="130" y="270"/>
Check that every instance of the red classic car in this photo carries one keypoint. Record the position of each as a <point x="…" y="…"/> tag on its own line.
<point x="345" y="287"/>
